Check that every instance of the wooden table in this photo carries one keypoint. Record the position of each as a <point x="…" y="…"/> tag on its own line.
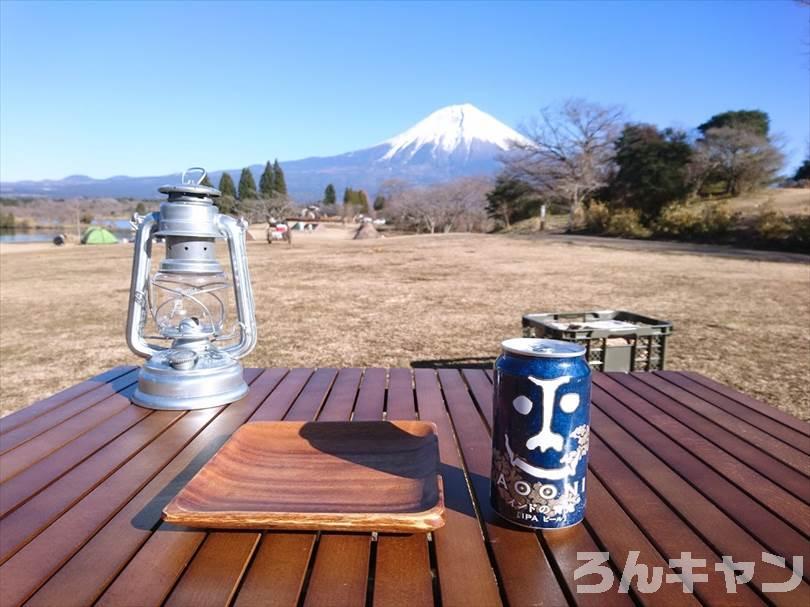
<point x="678" y="463"/>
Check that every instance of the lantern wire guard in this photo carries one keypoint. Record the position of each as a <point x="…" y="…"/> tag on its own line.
<point x="187" y="299"/>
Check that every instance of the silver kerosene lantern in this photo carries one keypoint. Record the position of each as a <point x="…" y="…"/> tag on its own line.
<point x="187" y="299"/>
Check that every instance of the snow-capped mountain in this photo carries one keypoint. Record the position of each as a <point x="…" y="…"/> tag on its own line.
<point x="455" y="141"/>
<point x="455" y="130"/>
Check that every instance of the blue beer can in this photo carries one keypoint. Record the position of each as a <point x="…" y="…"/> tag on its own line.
<point x="540" y="436"/>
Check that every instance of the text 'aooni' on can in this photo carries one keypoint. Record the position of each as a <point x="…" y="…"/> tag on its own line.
<point x="540" y="436"/>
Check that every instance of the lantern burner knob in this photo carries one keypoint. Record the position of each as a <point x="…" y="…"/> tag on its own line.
<point x="182" y="359"/>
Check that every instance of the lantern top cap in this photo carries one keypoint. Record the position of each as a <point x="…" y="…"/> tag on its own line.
<point x="191" y="184"/>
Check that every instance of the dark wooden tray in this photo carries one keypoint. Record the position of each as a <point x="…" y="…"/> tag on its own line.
<point x="348" y="476"/>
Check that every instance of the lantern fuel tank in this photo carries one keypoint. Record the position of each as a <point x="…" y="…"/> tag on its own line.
<point x="187" y="302"/>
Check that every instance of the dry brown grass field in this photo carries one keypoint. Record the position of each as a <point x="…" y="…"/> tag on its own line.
<point x="331" y="301"/>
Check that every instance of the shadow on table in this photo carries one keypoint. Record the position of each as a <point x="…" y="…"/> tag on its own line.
<point x="151" y="513"/>
<point x="473" y="362"/>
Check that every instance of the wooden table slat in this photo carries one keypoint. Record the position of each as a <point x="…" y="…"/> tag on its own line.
<point x="781" y="416"/>
<point x="668" y="532"/>
<point x="340" y="570"/>
<point x="524" y="569"/>
<point x="30" y="452"/>
<point x="49" y="419"/>
<point x="17" y="418"/>
<point x="755" y="482"/>
<point x="143" y="554"/>
<point x="401" y="403"/>
<point x="679" y="463"/>
<point x="49" y="550"/>
<point x="212" y="577"/>
<point x="718" y="529"/>
<point x="619" y="535"/>
<point x="58" y="497"/>
<point x="50" y="468"/>
<point x="466" y="575"/>
<point x="403" y="575"/>
<point x="481" y="388"/>
<point x="276" y="576"/>
<point x="38" y="560"/>
<point x="774" y="428"/>
<point x="786" y="476"/>
<point x="766" y="526"/>
<point x="787" y="453"/>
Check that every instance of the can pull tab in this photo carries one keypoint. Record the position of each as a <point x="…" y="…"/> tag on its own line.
<point x="190" y="180"/>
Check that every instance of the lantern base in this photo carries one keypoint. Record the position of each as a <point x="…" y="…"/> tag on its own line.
<point x="216" y="379"/>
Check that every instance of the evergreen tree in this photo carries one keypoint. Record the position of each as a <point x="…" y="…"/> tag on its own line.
<point x="803" y="172"/>
<point x="206" y="182"/>
<point x="653" y="168"/>
<point x="279" y="183"/>
<point x="225" y="204"/>
<point x="226" y="186"/>
<point x="361" y="202"/>
<point x="329" y="195"/>
<point x="267" y="181"/>
<point x="379" y="202"/>
<point x="347" y="196"/>
<point x="753" y="121"/>
<point x="247" y="186"/>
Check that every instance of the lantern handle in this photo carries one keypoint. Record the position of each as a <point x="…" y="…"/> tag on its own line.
<point x="191" y="181"/>
<point x="234" y="232"/>
<point x="138" y="295"/>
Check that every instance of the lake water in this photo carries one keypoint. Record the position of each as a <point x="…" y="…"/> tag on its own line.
<point x="11" y="236"/>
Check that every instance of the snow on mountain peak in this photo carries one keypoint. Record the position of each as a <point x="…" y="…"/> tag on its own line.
<point x="451" y="128"/>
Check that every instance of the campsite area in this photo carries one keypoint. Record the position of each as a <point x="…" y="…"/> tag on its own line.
<point x="409" y="300"/>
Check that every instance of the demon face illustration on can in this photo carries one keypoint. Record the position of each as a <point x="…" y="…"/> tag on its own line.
<point x="540" y="435"/>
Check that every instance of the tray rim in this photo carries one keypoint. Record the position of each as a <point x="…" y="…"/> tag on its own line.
<point x="396" y="522"/>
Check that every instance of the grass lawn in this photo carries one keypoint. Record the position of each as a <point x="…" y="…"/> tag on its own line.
<point x="331" y="301"/>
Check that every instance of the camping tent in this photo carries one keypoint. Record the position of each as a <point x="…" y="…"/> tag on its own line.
<point x="98" y="235"/>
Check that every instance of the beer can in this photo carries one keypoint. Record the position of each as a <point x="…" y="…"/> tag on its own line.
<point x="541" y="420"/>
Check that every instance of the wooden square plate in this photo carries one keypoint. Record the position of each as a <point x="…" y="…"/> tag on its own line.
<point x="346" y="476"/>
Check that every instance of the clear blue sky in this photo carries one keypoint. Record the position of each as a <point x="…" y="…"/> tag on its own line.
<point x="150" y="88"/>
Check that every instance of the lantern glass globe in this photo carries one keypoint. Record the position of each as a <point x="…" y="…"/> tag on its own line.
<point x="201" y="298"/>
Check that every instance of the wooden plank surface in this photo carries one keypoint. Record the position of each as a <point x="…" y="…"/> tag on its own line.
<point x="679" y="463"/>
<point x="402" y="573"/>
<point x="17" y="436"/>
<point x="466" y="574"/>
<point x="23" y="416"/>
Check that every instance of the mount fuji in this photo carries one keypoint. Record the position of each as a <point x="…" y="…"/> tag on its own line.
<point x="455" y="141"/>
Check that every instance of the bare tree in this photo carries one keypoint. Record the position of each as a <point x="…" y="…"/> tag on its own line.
<point x="743" y="160"/>
<point x="458" y="206"/>
<point x="569" y="152"/>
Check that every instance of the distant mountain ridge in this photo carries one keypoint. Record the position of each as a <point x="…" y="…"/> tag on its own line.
<point x="455" y="141"/>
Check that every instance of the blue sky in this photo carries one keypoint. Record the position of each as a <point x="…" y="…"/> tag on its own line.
<point x="149" y="88"/>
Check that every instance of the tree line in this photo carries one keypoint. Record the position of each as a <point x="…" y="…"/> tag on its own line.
<point x="355" y="202"/>
<point x="247" y="199"/>
<point x="583" y="152"/>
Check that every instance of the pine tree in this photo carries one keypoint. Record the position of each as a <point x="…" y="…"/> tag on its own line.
<point x="247" y="186"/>
<point x="362" y="202"/>
<point x="267" y="181"/>
<point x="329" y="195"/>
<point x="226" y="186"/>
<point x="206" y="182"/>
<point x="347" y="195"/>
<point x="379" y="202"/>
<point x="279" y="183"/>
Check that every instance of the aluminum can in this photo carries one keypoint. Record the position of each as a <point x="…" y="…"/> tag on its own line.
<point x="540" y="435"/>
